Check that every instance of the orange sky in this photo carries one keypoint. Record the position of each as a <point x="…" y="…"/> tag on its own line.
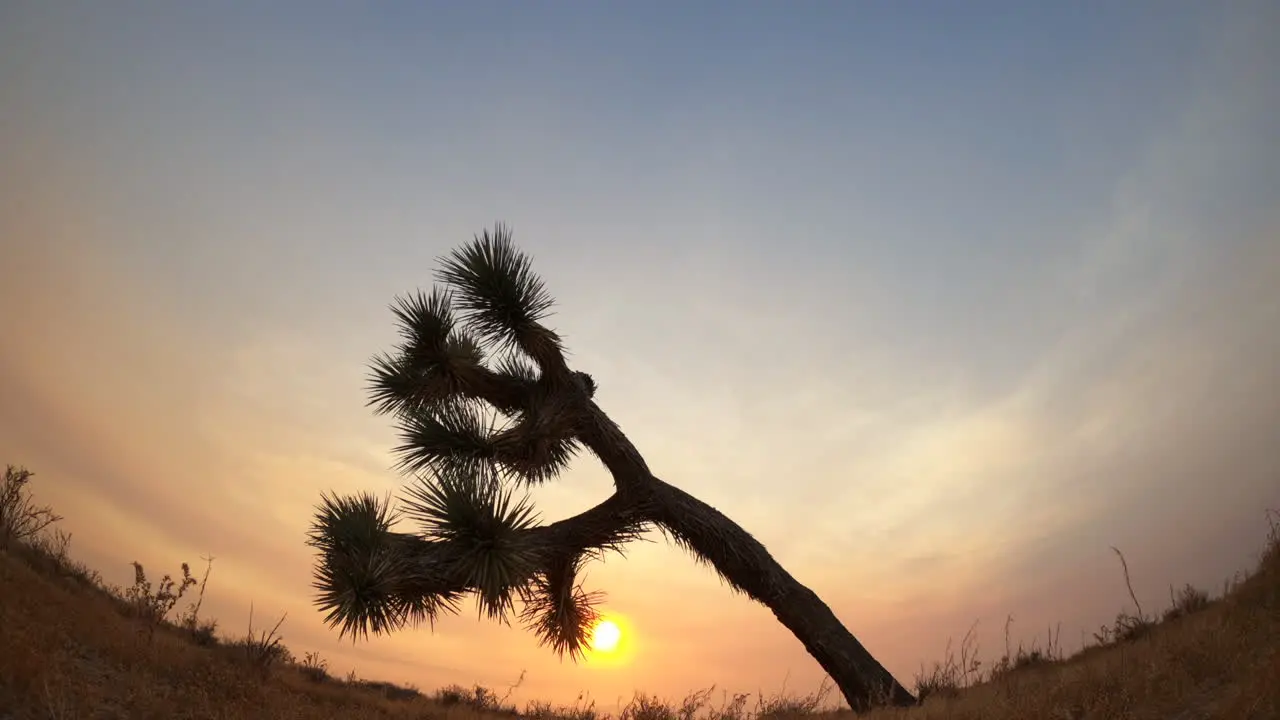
<point x="922" y="439"/>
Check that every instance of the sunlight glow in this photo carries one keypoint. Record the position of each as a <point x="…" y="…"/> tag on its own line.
<point x="606" y="635"/>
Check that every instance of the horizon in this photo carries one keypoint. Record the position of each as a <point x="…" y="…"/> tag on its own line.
<point x="938" y="306"/>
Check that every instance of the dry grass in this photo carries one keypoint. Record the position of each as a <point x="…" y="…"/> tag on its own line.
<point x="71" y="647"/>
<point x="1207" y="659"/>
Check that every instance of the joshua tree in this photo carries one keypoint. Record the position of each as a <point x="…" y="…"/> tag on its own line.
<point x="486" y="406"/>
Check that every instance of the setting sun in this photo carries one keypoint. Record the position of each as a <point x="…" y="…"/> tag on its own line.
<point x="606" y="635"/>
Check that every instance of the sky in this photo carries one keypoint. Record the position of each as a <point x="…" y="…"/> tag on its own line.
<point x="939" y="301"/>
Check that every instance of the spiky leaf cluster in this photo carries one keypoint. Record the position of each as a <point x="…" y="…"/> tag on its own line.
<point x="430" y="364"/>
<point x="500" y="296"/>
<point x="482" y="401"/>
<point x="363" y="578"/>
<point x="558" y="610"/>
<point x="484" y="522"/>
<point x="451" y="408"/>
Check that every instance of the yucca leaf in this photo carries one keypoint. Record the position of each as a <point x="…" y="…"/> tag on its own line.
<point x="483" y="521"/>
<point x="517" y="366"/>
<point x="454" y="434"/>
<point x="500" y="296"/>
<point x="366" y="581"/>
<point x="466" y="508"/>
<point x="462" y="349"/>
<point x="424" y="321"/>
<point x="559" y="611"/>
<point x="533" y="458"/>
<point x="426" y="367"/>
<point x="401" y="383"/>
<point x="355" y="575"/>
<point x="538" y="444"/>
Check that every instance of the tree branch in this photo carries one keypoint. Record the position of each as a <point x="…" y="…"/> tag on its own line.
<point x="438" y="567"/>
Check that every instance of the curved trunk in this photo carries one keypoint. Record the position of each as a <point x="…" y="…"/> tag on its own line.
<point x="860" y="677"/>
<point x="745" y="563"/>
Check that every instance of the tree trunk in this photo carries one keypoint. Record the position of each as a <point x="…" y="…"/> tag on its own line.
<point x="745" y="563"/>
<point x="863" y="680"/>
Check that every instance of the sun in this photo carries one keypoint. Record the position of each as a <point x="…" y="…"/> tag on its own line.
<point x="605" y="636"/>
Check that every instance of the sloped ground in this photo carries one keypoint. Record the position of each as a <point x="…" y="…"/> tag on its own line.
<point x="68" y="651"/>
<point x="1220" y="662"/>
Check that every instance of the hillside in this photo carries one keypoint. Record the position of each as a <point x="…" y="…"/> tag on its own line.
<point x="72" y="648"/>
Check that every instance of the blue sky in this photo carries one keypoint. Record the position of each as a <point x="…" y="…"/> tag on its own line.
<point x="938" y="300"/>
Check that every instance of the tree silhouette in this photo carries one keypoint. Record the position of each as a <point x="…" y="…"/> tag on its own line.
<point x="486" y="406"/>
